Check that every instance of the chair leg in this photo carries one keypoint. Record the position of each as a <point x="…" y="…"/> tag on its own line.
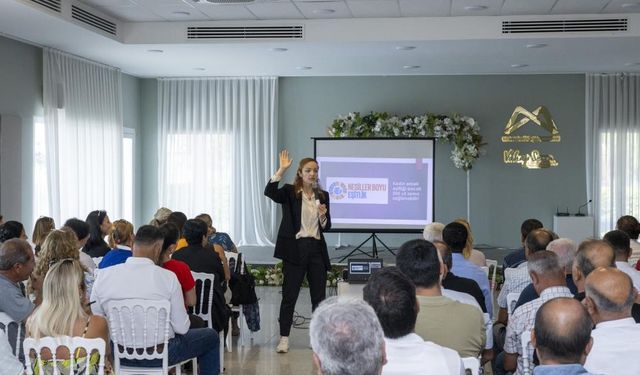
<point x="241" y="325"/>
<point x="228" y="339"/>
<point x="221" y="334"/>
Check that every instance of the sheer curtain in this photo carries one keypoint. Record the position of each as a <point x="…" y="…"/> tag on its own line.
<point x="613" y="147"/>
<point x="217" y="149"/>
<point x="83" y="121"/>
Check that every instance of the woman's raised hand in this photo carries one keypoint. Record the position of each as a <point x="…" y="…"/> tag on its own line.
<point x="285" y="160"/>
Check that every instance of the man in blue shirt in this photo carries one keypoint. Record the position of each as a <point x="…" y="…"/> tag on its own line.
<point x="562" y="337"/>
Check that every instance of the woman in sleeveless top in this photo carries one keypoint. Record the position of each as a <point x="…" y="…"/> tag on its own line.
<point x="62" y="313"/>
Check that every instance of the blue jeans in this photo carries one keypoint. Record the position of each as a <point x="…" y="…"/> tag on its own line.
<point x="203" y="343"/>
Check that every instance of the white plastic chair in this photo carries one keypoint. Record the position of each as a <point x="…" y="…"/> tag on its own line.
<point x="202" y="309"/>
<point x="5" y="322"/>
<point x="50" y="345"/>
<point x="494" y="263"/>
<point x="97" y="261"/>
<point x="525" y="339"/>
<point x="472" y="364"/>
<point x="512" y="299"/>
<point x="132" y="341"/>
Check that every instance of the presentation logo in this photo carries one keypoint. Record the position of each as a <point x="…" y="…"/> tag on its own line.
<point x="358" y="190"/>
<point x="337" y="190"/>
<point x="542" y="121"/>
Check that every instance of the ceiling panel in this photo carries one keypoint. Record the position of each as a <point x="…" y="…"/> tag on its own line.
<point x="425" y="8"/>
<point x="161" y="2"/>
<point x="109" y="3"/>
<point x="178" y="13"/>
<point x="131" y="14"/>
<point x="579" y="6"/>
<point x="226" y="12"/>
<point x="615" y="6"/>
<point x="321" y="9"/>
<point x="374" y="8"/>
<point x="493" y="7"/>
<point x="276" y="10"/>
<point x="513" y="7"/>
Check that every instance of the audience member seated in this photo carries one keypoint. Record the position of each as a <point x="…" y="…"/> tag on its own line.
<point x="16" y="264"/>
<point x="140" y="278"/>
<point x="631" y="227"/>
<point x="516" y="257"/>
<point x="591" y="254"/>
<point x="216" y="246"/>
<point x="9" y="364"/>
<point x="562" y="337"/>
<point x="160" y="217"/>
<point x="432" y="232"/>
<point x="440" y="319"/>
<point x="44" y="225"/>
<point x="195" y="255"/>
<point x="393" y="297"/>
<point x="12" y="229"/>
<point x="455" y="236"/>
<point x="620" y="242"/>
<point x="565" y="249"/>
<point x="178" y="219"/>
<point x="549" y="281"/>
<point x="346" y="338"/>
<point x="217" y="238"/>
<point x="616" y="336"/>
<point x="62" y="313"/>
<point x="81" y="230"/>
<point x="516" y="279"/>
<point x="120" y="240"/>
<point x="474" y="256"/>
<point x="99" y="228"/>
<point x="60" y="244"/>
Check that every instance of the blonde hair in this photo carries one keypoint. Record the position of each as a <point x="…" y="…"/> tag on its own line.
<point x="44" y="225"/>
<point x="61" y="305"/>
<point x="466" y="251"/>
<point x="122" y="232"/>
<point x="60" y="244"/>
<point x="160" y="217"/>
<point x="207" y="220"/>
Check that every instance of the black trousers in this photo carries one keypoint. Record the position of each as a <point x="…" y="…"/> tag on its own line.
<point x="311" y="265"/>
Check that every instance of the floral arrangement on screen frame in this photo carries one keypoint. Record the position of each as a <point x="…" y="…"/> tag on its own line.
<point x="272" y="275"/>
<point x="462" y="132"/>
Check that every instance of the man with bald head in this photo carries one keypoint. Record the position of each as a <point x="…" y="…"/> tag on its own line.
<point x="591" y="254"/>
<point x="561" y="337"/>
<point x="616" y="337"/>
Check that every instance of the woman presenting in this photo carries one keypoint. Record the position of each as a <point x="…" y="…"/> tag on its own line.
<point x="300" y="243"/>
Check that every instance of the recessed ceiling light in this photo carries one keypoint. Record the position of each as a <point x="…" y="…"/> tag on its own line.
<point x="324" y="11"/>
<point x="303" y="67"/>
<point x="519" y="65"/>
<point x="632" y="64"/>
<point x="279" y="49"/>
<point x="411" y="67"/>
<point x="536" y="45"/>
<point x="155" y="50"/>
<point x="200" y="69"/>
<point x="181" y="13"/>
<point x="475" y="8"/>
<point x="405" y="48"/>
<point x="630" y="5"/>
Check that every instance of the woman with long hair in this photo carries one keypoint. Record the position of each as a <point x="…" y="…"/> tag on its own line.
<point x="44" y="225"/>
<point x="121" y="241"/>
<point x="99" y="228"/>
<point x="300" y="243"/>
<point x="63" y="313"/>
<point x="475" y="256"/>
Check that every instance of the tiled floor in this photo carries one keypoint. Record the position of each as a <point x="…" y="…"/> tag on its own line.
<point x="258" y="355"/>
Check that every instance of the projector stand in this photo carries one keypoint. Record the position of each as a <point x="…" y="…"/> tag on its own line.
<point x="374" y="248"/>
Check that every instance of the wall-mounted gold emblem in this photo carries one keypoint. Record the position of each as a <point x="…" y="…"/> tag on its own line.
<point x="541" y="117"/>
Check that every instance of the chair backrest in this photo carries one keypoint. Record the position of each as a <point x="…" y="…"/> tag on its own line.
<point x="472" y="364"/>
<point x="525" y="340"/>
<point x="492" y="263"/>
<point x="233" y="259"/>
<point x="34" y="349"/>
<point x="97" y="261"/>
<point x="512" y="299"/>
<point x="205" y="283"/>
<point x="6" y="322"/>
<point x="140" y="330"/>
<point x="486" y="270"/>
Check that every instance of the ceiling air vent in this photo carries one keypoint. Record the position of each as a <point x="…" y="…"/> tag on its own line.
<point x="245" y="32"/>
<point x="564" y="26"/>
<point x="93" y="20"/>
<point x="53" y="5"/>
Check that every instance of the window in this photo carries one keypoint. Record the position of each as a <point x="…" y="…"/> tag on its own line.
<point x="128" y="170"/>
<point x="40" y="178"/>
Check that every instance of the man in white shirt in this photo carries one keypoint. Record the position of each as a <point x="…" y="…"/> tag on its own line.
<point x="621" y="244"/>
<point x="630" y="226"/>
<point x="140" y="278"/>
<point x="616" y="337"/>
<point x="393" y="297"/>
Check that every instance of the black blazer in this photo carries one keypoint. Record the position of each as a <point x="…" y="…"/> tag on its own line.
<point x="286" y="246"/>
